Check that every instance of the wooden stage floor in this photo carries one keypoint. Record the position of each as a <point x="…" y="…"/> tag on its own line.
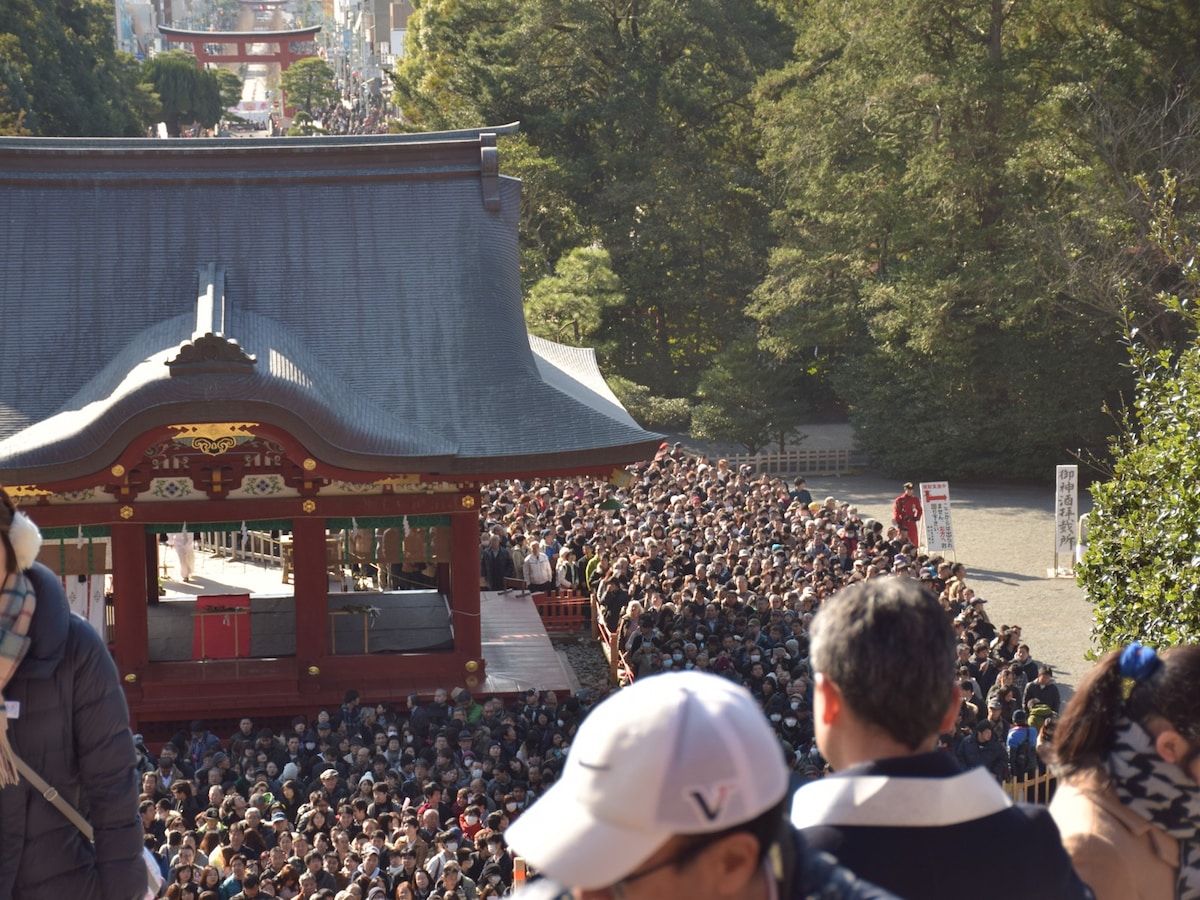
<point x="518" y="651"/>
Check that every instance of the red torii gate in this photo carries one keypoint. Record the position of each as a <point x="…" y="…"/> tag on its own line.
<point x="207" y="46"/>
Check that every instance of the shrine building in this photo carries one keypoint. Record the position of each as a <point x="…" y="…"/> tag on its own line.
<point x="307" y="353"/>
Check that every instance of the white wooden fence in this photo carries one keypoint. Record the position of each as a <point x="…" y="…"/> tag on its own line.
<point x="799" y="462"/>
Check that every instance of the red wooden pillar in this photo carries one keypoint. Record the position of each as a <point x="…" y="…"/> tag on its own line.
<point x="131" y="649"/>
<point x="464" y="585"/>
<point x="311" y="591"/>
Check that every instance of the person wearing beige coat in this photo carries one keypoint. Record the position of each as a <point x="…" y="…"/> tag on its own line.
<point x="1118" y="854"/>
<point x="1127" y="752"/>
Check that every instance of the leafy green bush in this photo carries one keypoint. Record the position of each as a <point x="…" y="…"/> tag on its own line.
<point x="1142" y="565"/>
<point x="654" y="413"/>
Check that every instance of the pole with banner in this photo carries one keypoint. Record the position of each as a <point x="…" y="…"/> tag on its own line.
<point x="1066" y="519"/>
<point x="935" y="502"/>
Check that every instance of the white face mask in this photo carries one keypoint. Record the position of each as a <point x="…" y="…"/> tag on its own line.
<point x="471" y="820"/>
<point x="511" y="807"/>
<point x="775" y="717"/>
<point x="790" y="722"/>
<point x="452" y="846"/>
<point x="494" y="879"/>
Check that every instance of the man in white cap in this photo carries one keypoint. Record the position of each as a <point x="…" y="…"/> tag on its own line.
<point x="674" y="788"/>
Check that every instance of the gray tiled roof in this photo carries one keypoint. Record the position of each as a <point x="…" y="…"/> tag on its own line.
<point x="376" y="291"/>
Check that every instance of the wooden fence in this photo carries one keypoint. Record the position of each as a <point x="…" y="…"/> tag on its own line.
<point x="258" y="546"/>
<point x="1037" y="789"/>
<point x="563" y="612"/>
<point x="800" y="462"/>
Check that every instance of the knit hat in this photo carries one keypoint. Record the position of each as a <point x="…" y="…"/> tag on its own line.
<point x="17" y="604"/>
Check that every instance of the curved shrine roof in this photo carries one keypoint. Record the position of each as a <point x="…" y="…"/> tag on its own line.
<point x="361" y="293"/>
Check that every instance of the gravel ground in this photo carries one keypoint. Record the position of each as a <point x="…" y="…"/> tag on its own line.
<point x="589" y="663"/>
<point x="1005" y="537"/>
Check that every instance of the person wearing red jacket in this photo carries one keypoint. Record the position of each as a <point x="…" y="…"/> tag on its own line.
<point x="907" y="512"/>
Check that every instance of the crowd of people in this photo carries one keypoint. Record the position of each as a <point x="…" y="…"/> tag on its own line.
<point x="364" y="801"/>
<point x="829" y="626"/>
<point x="697" y="565"/>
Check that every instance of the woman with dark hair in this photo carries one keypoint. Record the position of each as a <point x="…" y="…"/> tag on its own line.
<point x="186" y="803"/>
<point x="291" y="797"/>
<point x="1127" y="752"/>
<point x="210" y="879"/>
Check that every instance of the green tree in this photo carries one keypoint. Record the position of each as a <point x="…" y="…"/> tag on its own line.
<point x="303" y="125"/>
<point x="567" y="306"/>
<point x="909" y="145"/>
<point x="60" y="74"/>
<point x="230" y="86"/>
<point x="644" y="107"/>
<point x="188" y="94"/>
<point x="1142" y="565"/>
<point x="308" y="84"/>
<point x="748" y="397"/>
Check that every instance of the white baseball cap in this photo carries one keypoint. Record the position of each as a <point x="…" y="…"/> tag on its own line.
<point x="674" y="754"/>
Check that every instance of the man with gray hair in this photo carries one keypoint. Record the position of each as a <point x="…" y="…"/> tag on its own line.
<point x="539" y="576"/>
<point x="897" y="811"/>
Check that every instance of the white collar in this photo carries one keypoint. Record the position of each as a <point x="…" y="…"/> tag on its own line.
<point x="897" y="801"/>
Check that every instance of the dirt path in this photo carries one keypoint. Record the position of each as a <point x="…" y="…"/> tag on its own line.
<point x="1004" y="535"/>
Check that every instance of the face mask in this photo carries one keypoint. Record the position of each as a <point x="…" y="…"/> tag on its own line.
<point x="790" y="721"/>
<point x="408" y="738"/>
<point x="677" y="657"/>
<point x="452" y="846"/>
<point x="477" y="773"/>
<point x="511" y="807"/>
<point x="775" y="717"/>
<point x="755" y="657"/>
<point x="395" y="870"/>
<point x="471" y="820"/>
<point x="494" y="879"/>
<point x="795" y="704"/>
<point x="493" y="848"/>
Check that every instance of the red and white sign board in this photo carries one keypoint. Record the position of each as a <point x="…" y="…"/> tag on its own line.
<point x="935" y="505"/>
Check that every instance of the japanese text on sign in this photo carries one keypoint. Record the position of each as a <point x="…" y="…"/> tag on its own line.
<point x="939" y="531"/>
<point x="1066" y="508"/>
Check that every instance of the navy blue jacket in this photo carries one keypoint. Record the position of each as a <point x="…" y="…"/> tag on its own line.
<point x="943" y="862"/>
<point x="73" y="730"/>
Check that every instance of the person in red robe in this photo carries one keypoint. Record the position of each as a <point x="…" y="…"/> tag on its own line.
<point x="906" y="512"/>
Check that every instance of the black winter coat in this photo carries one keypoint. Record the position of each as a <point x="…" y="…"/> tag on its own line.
<point x="73" y="730"/>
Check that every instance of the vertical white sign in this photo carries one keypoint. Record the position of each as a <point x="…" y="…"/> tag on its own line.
<point x="85" y="596"/>
<point x="1066" y="508"/>
<point x="935" y="504"/>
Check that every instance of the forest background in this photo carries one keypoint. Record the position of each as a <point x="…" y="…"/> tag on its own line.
<point x="932" y="218"/>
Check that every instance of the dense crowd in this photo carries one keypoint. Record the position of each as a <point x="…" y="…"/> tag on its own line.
<point x="698" y="565"/>
<point x="364" y="801"/>
<point x="694" y="566"/>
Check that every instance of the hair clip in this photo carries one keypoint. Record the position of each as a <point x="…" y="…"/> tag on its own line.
<point x="1138" y="662"/>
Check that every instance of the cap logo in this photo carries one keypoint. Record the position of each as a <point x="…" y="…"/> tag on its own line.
<point x="711" y="801"/>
